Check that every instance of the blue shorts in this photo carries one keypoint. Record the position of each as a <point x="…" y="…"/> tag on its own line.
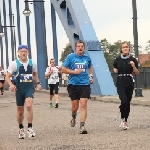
<point x="22" y="95"/>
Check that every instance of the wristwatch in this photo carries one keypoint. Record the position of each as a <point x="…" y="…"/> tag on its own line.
<point x="38" y="83"/>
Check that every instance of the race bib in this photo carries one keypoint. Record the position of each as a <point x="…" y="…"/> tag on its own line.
<point x="80" y="66"/>
<point x="25" y="77"/>
<point x="55" y="77"/>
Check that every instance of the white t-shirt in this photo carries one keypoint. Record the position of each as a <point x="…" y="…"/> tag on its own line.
<point x="13" y="66"/>
<point x="2" y="74"/>
<point x="54" y="77"/>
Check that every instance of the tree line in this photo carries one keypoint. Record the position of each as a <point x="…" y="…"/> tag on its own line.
<point x="111" y="51"/>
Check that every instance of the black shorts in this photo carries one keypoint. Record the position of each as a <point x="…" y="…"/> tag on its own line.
<point x="78" y="91"/>
<point x="53" y="87"/>
<point x="2" y="81"/>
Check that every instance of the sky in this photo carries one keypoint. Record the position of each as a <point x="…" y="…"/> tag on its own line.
<point x="111" y="19"/>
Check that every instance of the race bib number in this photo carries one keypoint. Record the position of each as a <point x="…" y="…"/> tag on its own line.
<point x="55" y="77"/>
<point x="80" y="66"/>
<point x="25" y="77"/>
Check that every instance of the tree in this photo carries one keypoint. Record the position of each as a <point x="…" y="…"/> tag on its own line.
<point x="67" y="50"/>
<point x="111" y="51"/>
<point x="147" y="48"/>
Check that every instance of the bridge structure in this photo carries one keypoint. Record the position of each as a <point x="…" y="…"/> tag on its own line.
<point x="77" y="25"/>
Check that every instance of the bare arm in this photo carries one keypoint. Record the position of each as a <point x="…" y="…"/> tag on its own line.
<point x="135" y="70"/>
<point x="7" y="78"/>
<point x="12" y="87"/>
<point x="35" y="77"/>
<point x="67" y="71"/>
<point x="90" y="70"/>
<point x="48" y="74"/>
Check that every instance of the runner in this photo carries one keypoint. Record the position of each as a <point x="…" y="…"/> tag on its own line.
<point x="25" y="71"/>
<point x="125" y="65"/>
<point x="79" y="67"/>
<point x="52" y="73"/>
<point x="2" y="79"/>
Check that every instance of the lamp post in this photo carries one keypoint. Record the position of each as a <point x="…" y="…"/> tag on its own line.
<point x="14" y="35"/>
<point x="1" y="30"/>
<point x="13" y="38"/>
<point x="138" y="90"/>
<point x="27" y="12"/>
<point x="6" y="42"/>
<point x="2" y="34"/>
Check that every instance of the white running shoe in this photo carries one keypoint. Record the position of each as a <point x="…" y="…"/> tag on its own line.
<point x="31" y="132"/>
<point x="125" y="126"/>
<point x="122" y="123"/>
<point x="21" y="133"/>
<point x="83" y="130"/>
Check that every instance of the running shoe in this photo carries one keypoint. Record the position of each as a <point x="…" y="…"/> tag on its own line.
<point x="2" y="93"/>
<point x="21" y="133"/>
<point x="122" y="123"/>
<point x="73" y="122"/>
<point x="31" y="132"/>
<point x="56" y="105"/>
<point x="51" y="105"/>
<point x="125" y="126"/>
<point x="83" y="130"/>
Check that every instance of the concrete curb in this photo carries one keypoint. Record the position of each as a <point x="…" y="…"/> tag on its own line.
<point x="134" y="101"/>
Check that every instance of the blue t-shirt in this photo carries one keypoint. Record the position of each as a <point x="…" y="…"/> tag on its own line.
<point x="73" y="61"/>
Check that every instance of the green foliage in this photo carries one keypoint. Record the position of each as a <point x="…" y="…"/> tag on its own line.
<point x="147" y="48"/>
<point x="111" y="51"/>
<point x="67" y="50"/>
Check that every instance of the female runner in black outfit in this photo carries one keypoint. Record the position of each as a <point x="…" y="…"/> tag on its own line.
<point x="125" y="65"/>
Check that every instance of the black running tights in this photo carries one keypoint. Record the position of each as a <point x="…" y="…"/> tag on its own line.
<point x="125" y="95"/>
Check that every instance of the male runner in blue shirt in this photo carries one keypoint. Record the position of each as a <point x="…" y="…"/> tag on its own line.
<point x="79" y="67"/>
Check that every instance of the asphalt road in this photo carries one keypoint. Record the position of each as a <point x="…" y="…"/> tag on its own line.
<point x="53" y="131"/>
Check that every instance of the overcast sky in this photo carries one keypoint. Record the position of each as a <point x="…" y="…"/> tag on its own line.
<point x="112" y="19"/>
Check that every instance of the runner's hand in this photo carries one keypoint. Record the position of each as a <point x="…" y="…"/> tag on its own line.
<point x="132" y="64"/>
<point x="12" y="88"/>
<point x="39" y="87"/>
<point x="91" y="81"/>
<point x="77" y="71"/>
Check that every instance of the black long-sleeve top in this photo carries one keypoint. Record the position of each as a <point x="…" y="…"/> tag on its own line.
<point x="123" y="66"/>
